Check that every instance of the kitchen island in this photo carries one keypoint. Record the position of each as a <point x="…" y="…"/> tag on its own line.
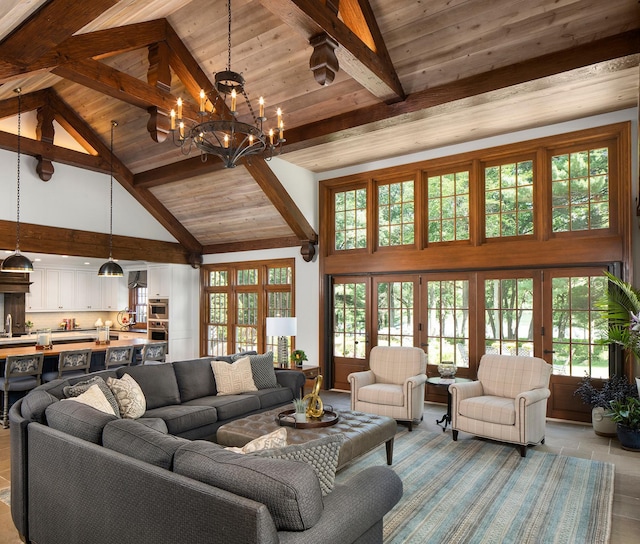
<point x="51" y="355"/>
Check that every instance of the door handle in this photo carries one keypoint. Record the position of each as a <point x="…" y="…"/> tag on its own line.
<point x="549" y="351"/>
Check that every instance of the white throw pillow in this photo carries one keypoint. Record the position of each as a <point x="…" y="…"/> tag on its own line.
<point x="275" y="439"/>
<point x="95" y="398"/>
<point x="233" y="378"/>
<point x="129" y="395"/>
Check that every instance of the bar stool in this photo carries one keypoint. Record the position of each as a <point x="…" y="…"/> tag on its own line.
<point x="71" y="363"/>
<point x="116" y="357"/>
<point x="153" y="354"/>
<point x="21" y="373"/>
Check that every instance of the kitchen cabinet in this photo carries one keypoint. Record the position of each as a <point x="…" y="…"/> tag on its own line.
<point x="60" y="288"/>
<point x="34" y="299"/>
<point x="159" y="281"/>
<point x="110" y="291"/>
<point x="88" y="294"/>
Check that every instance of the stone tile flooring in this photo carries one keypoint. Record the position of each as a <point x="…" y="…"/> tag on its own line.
<point x="562" y="437"/>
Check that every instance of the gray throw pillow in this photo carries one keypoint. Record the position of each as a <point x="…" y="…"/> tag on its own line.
<point x="264" y="374"/>
<point x="321" y="453"/>
<point x="77" y="389"/>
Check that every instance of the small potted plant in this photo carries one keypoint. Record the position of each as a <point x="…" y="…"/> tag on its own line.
<point x="626" y="414"/>
<point x="614" y="389"/>
<point x="298" y="357"/>
<point x="29" y="327"/>
<point x="300" y="407"/>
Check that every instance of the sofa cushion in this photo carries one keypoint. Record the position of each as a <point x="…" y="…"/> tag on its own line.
<point x="262" y="370"/>
<point x="77" y="389"/>
<point x="270" y="398"/>
<point x="141" y="442"/>
<point x="154" y="423"/>
<point x="129" y="396"/>
<point x="181" y="418"/>
<point x="78" y="420"/>
<point x="290" y="490"/>
<point x="158" y="383"/>
<point x="233" y="378"/>
<point x="95" y="398"/>
<point x="229" y="406"/>
<point x="195" y="378"/>
<point x="35" y="403"/>
<point x="321" y="453"/>
<point x="274" y="439"/>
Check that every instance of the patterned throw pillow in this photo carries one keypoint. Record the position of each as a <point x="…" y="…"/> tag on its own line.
<point x="78" y="388"/>
<point x="275" y="439"/>
<point x="95" y="398"/>
<point x="264" y="374"/>
<point x="131" y="401"/>
<point x="322" y="454"/>
<point x="233" y="378"/>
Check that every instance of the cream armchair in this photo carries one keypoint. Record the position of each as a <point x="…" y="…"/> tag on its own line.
<point x="508" y="402"/>
<point x="394" y="385"/>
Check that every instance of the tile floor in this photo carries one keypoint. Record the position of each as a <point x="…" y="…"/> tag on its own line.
<point x="562" y="438"/>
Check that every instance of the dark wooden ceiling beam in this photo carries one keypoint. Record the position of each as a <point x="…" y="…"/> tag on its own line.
<point x="280" y="198"/>
<point x="29" y="102"/>
<point x="107" y="80"/>
<point x="97" y="45"/>
<point x="62" y="241"/>
<point x="53" y="23"/>
<point x="251" y="245"/>
<point x="366" y="119"/>
<point x="373" y="69"/>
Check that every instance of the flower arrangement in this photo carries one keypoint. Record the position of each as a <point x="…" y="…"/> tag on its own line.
<point x="298" y="356"/>
<point x="615" y="389"/>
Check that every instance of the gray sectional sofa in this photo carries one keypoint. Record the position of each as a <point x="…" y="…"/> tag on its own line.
<point x="83" y="476"/>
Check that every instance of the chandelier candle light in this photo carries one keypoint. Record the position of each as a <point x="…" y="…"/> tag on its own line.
<point x="219" y="132"/>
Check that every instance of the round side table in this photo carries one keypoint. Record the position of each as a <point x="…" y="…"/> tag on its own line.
<point x="441" y="382"/>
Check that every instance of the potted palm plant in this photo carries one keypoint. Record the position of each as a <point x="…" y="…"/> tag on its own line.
<point x="626" y="414"/>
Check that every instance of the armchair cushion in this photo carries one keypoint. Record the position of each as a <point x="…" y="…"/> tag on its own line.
<point x="382" y="393"/>
<point x="491" y="409"/>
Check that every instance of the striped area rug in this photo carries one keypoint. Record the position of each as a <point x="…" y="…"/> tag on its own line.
<point x="477" y="491"/>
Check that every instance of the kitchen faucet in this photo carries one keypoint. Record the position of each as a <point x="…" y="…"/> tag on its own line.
<point x="9" y="326"/>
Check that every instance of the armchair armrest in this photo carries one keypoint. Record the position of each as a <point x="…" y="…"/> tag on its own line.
<point x="360" y="379"/>
<point x="465" y="390"/>
<point x="533" y="396"/>
<point x="415" y="381"/>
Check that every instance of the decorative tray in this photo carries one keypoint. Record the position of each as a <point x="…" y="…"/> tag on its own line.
<point x="285" y="419"/>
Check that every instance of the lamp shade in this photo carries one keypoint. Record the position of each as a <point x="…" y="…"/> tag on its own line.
<point x="111" y="269"/>
<point x="16" y="263"/>
<point x="281" y="326"/>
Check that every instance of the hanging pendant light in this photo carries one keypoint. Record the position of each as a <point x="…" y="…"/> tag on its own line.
<point x="17" y="262"/>
<point x="111" y="269"/>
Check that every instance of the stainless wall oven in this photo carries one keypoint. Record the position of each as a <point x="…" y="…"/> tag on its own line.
<point x="158" y="329"/>
<point x="158" y="308"/>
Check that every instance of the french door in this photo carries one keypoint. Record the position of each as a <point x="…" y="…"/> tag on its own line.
<point x="552" y="314"/>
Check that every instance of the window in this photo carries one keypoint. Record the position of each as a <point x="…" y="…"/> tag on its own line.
<point x="509" y="199"/>
<point x="238" y="299"/>
<point x="395" y="313"/>
<point x="350" y="219"/>
<point x="396" y="214"/>
<point x="580" y="189"/>
<point x="448" y="207"/>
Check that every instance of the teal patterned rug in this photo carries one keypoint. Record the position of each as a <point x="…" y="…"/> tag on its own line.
<point x="477" y="491"/>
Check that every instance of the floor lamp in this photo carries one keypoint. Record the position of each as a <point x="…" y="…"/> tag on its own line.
<point x="283" y="328"/>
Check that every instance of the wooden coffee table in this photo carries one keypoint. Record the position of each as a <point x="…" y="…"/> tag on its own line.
<point x="362" y="432"/>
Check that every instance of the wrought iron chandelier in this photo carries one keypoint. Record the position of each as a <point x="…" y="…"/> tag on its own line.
<point x="17" y="262"/>
<point x="219" y="132"/>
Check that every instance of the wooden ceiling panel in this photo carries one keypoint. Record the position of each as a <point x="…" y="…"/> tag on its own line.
<point x="222" y="207"/>
<point x="469" y="68"/>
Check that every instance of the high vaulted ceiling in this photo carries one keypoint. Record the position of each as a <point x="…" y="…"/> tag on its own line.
<point x="411" y="75"/>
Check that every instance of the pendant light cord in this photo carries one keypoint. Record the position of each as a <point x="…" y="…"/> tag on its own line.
<point x="229" y="36"/>
<point x="113" y="125"/>
<point x="18" y="171"/>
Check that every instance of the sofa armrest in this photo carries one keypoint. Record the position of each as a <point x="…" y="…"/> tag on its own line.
<point x="360" y="379"/>
<point x="293" y="379"/>
<point x="352" y="508"/>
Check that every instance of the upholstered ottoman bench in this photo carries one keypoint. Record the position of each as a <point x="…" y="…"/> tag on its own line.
<point x="362" y="432"/>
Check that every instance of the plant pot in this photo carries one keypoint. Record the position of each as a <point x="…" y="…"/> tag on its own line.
<point x="602" y="424"/>
<point x="629" y="438"/>
<point x="300" y="418"/>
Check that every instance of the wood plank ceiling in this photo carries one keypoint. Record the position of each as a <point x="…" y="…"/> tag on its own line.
<point x="389" y="78"/>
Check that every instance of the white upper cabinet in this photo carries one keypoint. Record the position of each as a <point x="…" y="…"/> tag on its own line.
<point x="159" y="281"/>
<point x="60" y="289"/>
<point x="88" y="290"/>
<point x="34" y="299"/>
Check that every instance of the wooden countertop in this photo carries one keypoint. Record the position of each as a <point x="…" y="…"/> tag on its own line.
<point x="58" y="347"/>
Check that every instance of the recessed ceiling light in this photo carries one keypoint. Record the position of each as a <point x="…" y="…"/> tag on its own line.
<point x="37" y="259"/>
<point x="65" y="256"/>
<point x="87" y="262"/>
